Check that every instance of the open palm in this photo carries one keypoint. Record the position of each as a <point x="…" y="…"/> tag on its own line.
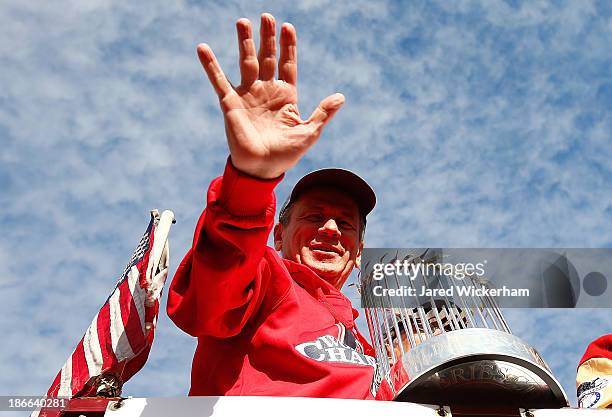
<point x="265" y="132"/>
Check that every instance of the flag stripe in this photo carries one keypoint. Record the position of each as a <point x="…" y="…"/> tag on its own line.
<point x="108" y="356"/>
<point x="65" y="389"/>
<point x="131" y="320"/>
<point x="91" y="346"/>
<point x="55" y="385"/>
<point x="138" y="295"/>
<point x="80" y="373"/>
<point x="120" y="345"/>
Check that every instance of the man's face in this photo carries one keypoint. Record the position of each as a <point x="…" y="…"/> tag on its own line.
<point x="323" y="234"/>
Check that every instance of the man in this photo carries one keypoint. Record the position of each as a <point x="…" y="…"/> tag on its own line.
<point x="266" y="325"/>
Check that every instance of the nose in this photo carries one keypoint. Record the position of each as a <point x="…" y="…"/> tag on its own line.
<point x="330" y="228"/>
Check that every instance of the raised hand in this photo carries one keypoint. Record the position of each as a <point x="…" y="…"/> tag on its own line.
<point x="265" y="132"/>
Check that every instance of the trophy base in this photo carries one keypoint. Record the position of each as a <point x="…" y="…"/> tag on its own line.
<point x="476" y="366"/>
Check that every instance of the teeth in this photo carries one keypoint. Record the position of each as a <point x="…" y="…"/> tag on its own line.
<point x="325" y="250"/>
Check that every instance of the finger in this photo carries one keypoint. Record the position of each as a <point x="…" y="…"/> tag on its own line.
<point x="213" y="70"/>
<point x="287" y="66"/>
<point x="267" y="47"/>
<point x="249" y="66"/>
<point x="326" y="110"/>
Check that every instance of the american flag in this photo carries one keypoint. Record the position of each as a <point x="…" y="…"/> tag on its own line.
<point x="118" y="340"/>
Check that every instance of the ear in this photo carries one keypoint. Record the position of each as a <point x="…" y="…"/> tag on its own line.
<point x="278" y="237"/>
<point x="358" y="257"/>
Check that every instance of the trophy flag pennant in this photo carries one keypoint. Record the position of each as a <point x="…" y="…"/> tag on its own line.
<point x="594" y="375"/>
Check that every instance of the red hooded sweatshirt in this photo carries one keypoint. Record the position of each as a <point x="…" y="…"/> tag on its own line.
<point x="265" y="325"/>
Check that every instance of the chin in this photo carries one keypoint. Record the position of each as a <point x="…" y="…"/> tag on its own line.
<point x="324" y="270"/>
<point x="333" y="275"/>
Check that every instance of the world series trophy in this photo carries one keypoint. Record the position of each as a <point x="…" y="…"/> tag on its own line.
<point x="451" y="348"/>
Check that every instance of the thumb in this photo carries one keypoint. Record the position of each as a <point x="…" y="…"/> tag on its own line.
<point x="326" y="110"/>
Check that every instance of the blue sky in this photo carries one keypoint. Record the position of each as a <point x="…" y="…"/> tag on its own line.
<point x="478" y="123"/>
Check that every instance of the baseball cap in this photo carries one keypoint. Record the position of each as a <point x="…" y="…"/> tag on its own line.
<point x="342" y="179"/>
<point x="594" y="376"/>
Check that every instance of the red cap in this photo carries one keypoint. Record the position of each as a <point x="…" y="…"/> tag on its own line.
<point x="599" y="348"/>
<point x="342" y="179"/>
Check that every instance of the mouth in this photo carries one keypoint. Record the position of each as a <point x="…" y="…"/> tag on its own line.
<point x="325" y="248"/>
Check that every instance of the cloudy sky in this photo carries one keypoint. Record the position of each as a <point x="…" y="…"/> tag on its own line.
<point x="478" y="123"/>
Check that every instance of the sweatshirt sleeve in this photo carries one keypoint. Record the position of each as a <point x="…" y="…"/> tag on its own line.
<point x="221" y="281"/>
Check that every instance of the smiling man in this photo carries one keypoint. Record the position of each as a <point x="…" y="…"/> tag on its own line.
<point x="268" y="325"/>
<point x="322" y="224"/>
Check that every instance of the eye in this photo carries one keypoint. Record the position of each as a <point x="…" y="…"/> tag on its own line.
<point x="313" y="217"/>
<point x="346" y="225"/>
